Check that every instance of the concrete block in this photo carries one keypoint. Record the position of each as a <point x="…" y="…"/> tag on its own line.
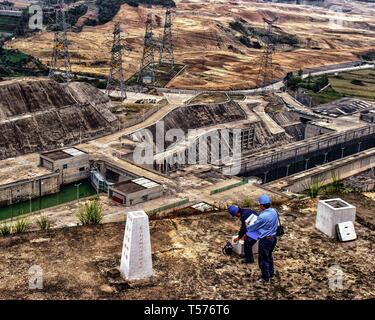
<point x="332" y="212"/>
<point x="136" y="259"/>
<point x="346" y="231"/>
<point x="239" y="247"/>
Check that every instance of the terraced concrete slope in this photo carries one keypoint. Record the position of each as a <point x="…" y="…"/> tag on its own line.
<point x="41" y="114"/>
<point x="201" y="116"/>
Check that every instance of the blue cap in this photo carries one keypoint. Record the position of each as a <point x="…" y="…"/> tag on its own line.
<point x="233" y="210"/>
<point x="264" y="199"/>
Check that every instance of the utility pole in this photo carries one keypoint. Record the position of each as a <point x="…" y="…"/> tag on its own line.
<point x="167" y="54"/>
<point x="60" y="61"/>
<point x="116" y="79"/>
<point x="77" y="186"/>
<point x="146" y="73"/>
<point x="265" y="76"/>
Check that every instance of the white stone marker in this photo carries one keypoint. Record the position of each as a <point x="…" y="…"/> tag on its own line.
<point x="136" y="260"/>
<point x="332" y="212"/>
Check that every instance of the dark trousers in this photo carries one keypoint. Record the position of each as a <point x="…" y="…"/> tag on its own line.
<point x="248" y="248"/>
<point x="266" y="247"/>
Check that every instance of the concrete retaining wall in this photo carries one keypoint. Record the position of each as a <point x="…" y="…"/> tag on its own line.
<point x="342" y="169"/>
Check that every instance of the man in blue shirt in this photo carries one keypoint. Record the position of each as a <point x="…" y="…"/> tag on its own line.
<point x="266" y="226"/>
<point x="250" y="238"/>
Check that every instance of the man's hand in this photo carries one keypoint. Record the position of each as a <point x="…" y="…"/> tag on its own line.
<point x="235" y="240"/>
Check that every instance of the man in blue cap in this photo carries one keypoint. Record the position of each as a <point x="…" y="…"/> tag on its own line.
<point x="250" y="238"/>
<point x="266" y="226"/>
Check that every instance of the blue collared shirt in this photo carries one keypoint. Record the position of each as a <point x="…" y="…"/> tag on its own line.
<point x="266" y="224"/>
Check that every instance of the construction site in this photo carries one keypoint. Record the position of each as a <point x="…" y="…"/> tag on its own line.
<point x="180" y="109"/>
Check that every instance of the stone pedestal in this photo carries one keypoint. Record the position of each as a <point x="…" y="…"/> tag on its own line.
<point x="239" y="247"/>
<point x="332" y="212"/>
<point x="136" y="259"/>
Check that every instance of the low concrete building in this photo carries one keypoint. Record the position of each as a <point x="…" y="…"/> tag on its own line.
<point x="135" y="191"/>
<point x="72" y="164"/>
<point x="30" y="188"/>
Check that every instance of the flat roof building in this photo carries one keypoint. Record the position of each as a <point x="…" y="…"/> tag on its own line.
<point x="135" y="191"/>
<point x="72" y="164"/>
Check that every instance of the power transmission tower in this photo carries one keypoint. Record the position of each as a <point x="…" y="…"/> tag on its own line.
<point x="265" y="76"/>
<point x="167" y="54"/>
<point x="60" y="62"/>
<point x="146" y="73"/>
<point x="116" y="79"/>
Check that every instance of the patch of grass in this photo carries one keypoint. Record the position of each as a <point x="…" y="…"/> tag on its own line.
<point x="314" y="189"/>
<point x="208" y="98"/>
<point x="21" y="225"/>
<point x="43" y="223"/>
<point x="91" y="213"/>
<point x="237" y="97"/>
<point x="5" y="230"/>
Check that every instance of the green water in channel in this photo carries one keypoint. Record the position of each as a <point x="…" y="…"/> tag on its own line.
<point x="67" y="193"/>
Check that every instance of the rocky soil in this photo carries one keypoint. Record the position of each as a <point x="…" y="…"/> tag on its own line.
<point x="82" y="262"/>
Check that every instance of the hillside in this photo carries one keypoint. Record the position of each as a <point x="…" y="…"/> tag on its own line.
<point x="212" y="50"/>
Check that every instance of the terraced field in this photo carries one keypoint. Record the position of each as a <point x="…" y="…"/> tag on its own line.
<point x="359" y="83"/>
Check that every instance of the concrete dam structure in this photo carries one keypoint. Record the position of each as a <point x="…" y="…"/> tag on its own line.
<point x="41" y="114"/>
<point x="207" y="119"/>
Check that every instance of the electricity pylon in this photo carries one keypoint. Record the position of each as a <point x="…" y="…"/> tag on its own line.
<point x="116" y="78"/>
<point x="265" y="76"/>
<point x="60" y="62"/>
<point x="167" y="54"/>
<point x="146" y="73"/>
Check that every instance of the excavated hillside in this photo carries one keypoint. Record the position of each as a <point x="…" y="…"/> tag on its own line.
<point x="41" y="114"/>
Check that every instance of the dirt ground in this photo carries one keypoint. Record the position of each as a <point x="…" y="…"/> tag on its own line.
<point x="82" y="262"/>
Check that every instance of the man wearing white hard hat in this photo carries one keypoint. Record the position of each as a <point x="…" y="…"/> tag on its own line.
<point x="266" y="226"/>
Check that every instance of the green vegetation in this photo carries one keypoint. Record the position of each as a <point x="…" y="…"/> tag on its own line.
<point x="237" y="97"/>
<point x="109" y="8"/>
<point x="328" y="88"/>
<point x="43" y="223"/>
<point x="207" y="98"/>
<point x="314" y="189"/>
<point x="359" y="83"/>
<point x="368" y="56"/>
<point x="5" y="229"/>
<point x="247" y="31"/>
<point x="91" y="213"/>
<point x="314" y="84"/>
<point x="13" y="25"/>
<point x="21" y="225"/>
<point x="14" y="63"/>
<point x="318" y="188"/>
